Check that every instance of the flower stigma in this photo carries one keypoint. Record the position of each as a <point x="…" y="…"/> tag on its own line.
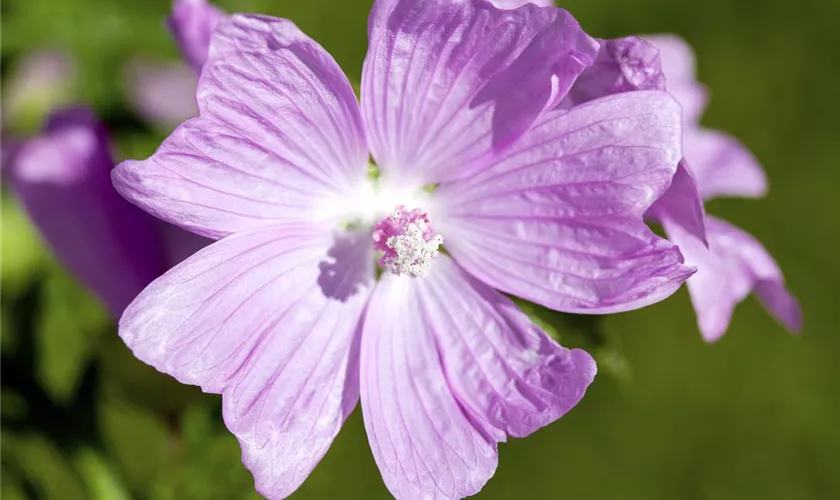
<point x="407" y="241"/>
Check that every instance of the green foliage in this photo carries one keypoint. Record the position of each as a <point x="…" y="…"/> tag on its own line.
<point x="67" y="332"/>
<point x="23" y="253"/>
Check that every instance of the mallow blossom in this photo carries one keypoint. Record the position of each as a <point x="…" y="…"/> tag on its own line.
<point x="731" y="263"/>
<point x="63" y="180"/>
<point x="334" y="280"/>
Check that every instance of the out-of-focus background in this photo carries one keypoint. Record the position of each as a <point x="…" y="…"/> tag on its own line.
<point x="753" y="416"/>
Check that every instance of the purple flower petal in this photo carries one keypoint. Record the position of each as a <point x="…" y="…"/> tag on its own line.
<point x="269" y="319"/>
<point x="734" y="265"/>
<point x="622" y="65"/>
<point x="678" y="64"/>
<point x="192" y="23"/>
<point x="515" y="4"/>
<point x="451" y="367"/>
<point x="558" y="219"/>
<point x="279" y="138"/>
<point x="437" y="80"/>
<point x="722" y="165"/>
<point x="681" y="204"/>
<point x="63" y="181"/>
<point x="423" y="443"/>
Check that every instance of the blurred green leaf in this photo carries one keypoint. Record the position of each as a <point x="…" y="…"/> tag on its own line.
<point x="137" y="439"/>
<point x="12" y="405"/>
<point x="43" y="466"/>
<point x="10" y="486"/>
<point x="100" y="479"/>
<point x="71" y="320"/>
<point x="23" y="253"/>
<point x="8" y="335"/>
<point x="208" y="466"/>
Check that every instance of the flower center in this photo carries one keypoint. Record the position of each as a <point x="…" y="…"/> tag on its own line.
<point x="408" y="242"/>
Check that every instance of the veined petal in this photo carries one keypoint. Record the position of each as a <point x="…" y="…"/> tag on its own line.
<point x="681" y="204"/>
<point x="557" y="220"/>
<point x="722" y="165"/>
<point x="734" y="265"/>
<point x="423" y="442"/>
<point x="437" y="80"/>
<point x="449" y="368"/>
<point x="622" y="65"/>
<point x="269" y="319"/>
<point x="192" y="23"/>
<point x="63" y="182"/>
<point x="279" y="138"/>
<point x="679" y="65"/>
<point x="510" y="376"/>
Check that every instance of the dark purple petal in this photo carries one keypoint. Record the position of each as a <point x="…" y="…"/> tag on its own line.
<point x="192" y="23"/>
<point x="178" y="243"/>
<point x="63" y="182"/>
<point x="269" y="319"/>
<point x="438" y="79"/>
<point x="279" y="138"/>
<point x="557" y="220"/>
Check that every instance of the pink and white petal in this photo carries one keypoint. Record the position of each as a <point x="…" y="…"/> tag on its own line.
<point x="722" y="165"/>
<point x="436" y="81"/>
<point x="192" y="23"/>
<point x="622" y="65"/>
<point x="63" y="181"/>
<point x="270" y="319"/>
<point x="680" y="67"/>
<point x="739" y="246"/>
<point x="422" y="441"/>
<point x="558" y="219"/>
<point x="681" y="204"/>
<point x="510" y="376"/>
<point x="279" y="138"/>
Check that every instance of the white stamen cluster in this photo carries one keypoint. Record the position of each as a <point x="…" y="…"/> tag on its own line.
<point x="414" y="253"/>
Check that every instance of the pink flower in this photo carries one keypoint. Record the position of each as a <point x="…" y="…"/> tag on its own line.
<point x="731" y="264"/>
<point x="287" y="315"/>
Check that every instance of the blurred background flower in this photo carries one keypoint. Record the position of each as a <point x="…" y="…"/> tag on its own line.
<point x="751" y="416"/>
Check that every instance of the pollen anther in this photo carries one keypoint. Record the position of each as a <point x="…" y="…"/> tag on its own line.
<point x="407" y="241"/>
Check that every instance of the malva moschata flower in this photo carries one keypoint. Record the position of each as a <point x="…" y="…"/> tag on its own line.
<point x="328" y="285"/>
